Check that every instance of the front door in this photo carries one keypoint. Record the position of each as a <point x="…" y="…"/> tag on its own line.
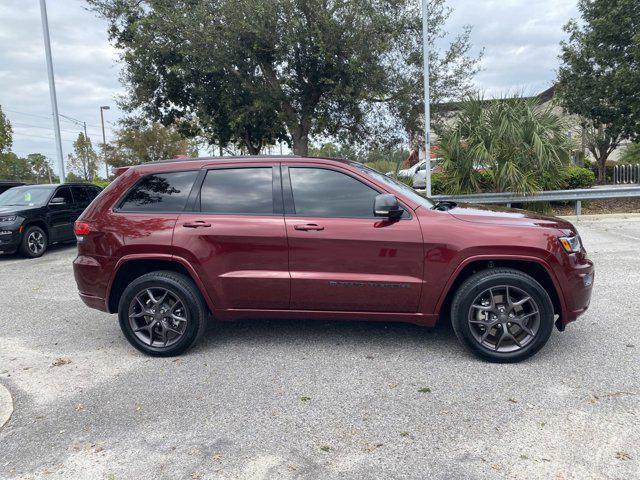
<point x="342" y="257"/>
<point x="62" y="216"/>
<point x="235" y="237"/>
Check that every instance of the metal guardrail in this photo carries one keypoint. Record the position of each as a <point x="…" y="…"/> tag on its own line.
<point x="626" y="174"/>
<point x="597" y="193"/>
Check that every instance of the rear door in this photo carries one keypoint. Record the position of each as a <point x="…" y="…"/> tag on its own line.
<point x="341" y="256"/>
<point x="82" y="200"/>
<point x="235" y="237"/>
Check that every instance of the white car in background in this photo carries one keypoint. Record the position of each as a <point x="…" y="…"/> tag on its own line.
<point x="408" y="172"/>
<point x="419" y="180"/>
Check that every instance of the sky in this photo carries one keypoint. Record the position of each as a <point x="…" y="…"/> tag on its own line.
<point x="520" y="39"/>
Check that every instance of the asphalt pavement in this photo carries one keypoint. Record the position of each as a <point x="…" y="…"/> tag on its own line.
<point x="318" y="400"/>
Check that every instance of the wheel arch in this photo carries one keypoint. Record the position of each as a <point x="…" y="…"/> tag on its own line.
<point x="37" y="223"/>
<point x="533" y="266"/>
<point x="130" y="268"/>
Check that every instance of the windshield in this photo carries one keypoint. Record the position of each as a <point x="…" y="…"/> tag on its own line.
<point x="399" y="187"/>
<point x="28" y="196"/>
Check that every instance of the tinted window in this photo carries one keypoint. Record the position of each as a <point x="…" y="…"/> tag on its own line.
<point x="64" y="192"/>
<point x="326" y="193"/>
<point x="163" y="192"/>
<point x="238" y="190"/>
<point x="92" y="192"/>
<point x="81" y="195"/>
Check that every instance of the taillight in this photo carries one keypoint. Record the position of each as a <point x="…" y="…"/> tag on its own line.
<point x="81" y="228"/>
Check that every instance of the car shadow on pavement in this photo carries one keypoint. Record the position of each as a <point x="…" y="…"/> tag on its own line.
<point x="352" y="333"/>
<point x="55" y="248"/>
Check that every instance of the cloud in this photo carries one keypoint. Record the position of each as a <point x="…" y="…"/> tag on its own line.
<point x="520" y="38"/>
<point x="86" y="73"/>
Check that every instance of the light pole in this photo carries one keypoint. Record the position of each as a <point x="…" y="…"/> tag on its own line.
<point x="427" y="111"/>
<point x="52" y="87"/>
<point x="104" y="140"/>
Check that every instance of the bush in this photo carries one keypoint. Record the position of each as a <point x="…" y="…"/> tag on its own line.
<point x="437" y="184"/>
<point x="578" y="177"/>
<point x="102" y="183"/>
<point x="631" y="153"/>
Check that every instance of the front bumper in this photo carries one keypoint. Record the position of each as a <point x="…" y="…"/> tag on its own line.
<point x="10" y="238"/>
<point x="577" y="288"/>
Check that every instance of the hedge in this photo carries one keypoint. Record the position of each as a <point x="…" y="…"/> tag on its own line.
<point x="572" y="177"/>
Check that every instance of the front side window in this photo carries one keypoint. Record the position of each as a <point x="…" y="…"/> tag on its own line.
<point x="319" y="192"/>
<point x="243" y="191"/>
<point x="65" y="193"/>
<point x="162" y="192"/>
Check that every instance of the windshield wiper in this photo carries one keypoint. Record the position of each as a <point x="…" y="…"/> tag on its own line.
<point x="444" y="205"/>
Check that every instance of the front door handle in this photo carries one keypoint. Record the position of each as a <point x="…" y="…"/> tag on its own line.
<point x="196" y="224"/>
<point x="309" y="226"/>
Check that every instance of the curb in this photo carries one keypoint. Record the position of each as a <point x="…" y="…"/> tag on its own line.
<point x="6" y="406"/>
<point x="603" y="216"/>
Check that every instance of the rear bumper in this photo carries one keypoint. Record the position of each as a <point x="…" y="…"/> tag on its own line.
<point x="90" y="278"/>
<point x="94" y="302"/>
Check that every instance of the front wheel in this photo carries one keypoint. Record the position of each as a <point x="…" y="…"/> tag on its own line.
<point x="502" y="315"/>
<point x="162" y="313"/>
<point x="34" y="242"/>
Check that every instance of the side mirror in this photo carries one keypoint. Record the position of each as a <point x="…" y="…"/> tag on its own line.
<point x="386" y="205"/>
<point x="57" y="201"/>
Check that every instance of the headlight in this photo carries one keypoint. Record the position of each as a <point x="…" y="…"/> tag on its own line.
<point x="571" y="244"/>
<point x="10" y="219"/>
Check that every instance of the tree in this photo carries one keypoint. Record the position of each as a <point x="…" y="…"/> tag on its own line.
<point x="137" y="142"/>
<point x="600" y="74"/>
<point x="41" y="171"/>
<point x="522" y="145"/>
<point x="6" y="133"/>
<point x="83" y="160"/>
<point x="450" y="75"/>
<point x="253" y="72"/>
<point x="631" y="153"/>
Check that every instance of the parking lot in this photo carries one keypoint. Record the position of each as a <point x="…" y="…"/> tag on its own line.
<point x="321" y="400"/>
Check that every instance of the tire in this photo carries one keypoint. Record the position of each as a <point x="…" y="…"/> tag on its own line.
<point x="495" y="327"/>
<point x="34" y="242"/>
<point x="183" y="300"/>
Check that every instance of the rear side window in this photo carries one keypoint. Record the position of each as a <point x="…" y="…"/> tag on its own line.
<point x="247" y="191"/>
<point x="318" y="192"/>
<point x="80" y="194"/>
<point x="162" y="192"/>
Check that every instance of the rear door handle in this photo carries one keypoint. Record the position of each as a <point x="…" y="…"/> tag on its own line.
<point x="309" y="226"/>
<point x="196" y="224"/>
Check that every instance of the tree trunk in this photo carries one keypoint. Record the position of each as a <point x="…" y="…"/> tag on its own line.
<point x="602" y="169"/>
<point x="300" y="144"/>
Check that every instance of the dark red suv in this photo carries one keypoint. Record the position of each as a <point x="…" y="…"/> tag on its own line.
<point x="170" y="244"/>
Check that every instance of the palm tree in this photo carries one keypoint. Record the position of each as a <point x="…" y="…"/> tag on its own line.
<point x="522" y="146"/>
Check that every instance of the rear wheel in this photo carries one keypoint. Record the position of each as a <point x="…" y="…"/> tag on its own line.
<point x="34" y="242"/>
<point x="162" y="313"/>
<point x="502" y="315"/>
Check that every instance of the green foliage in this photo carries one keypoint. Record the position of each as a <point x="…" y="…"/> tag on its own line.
<point x="630" y="154"/>
<point x="451" y="71"/>
<point x="35" y="168"/>
<point x="102" y="183"/>
<point x="522" y="146"/>
<point x="248" y="69"/>
<point x="577" y="177"/>
<point x="254" y="72"/>
<point x="83" y="162"/>
<point x="6" y="133"/>
<point x="139" y="142"/>
<point x="599" y="78"/>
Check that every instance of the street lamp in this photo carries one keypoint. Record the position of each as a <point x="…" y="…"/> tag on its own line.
<point x="104" y="140"/>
